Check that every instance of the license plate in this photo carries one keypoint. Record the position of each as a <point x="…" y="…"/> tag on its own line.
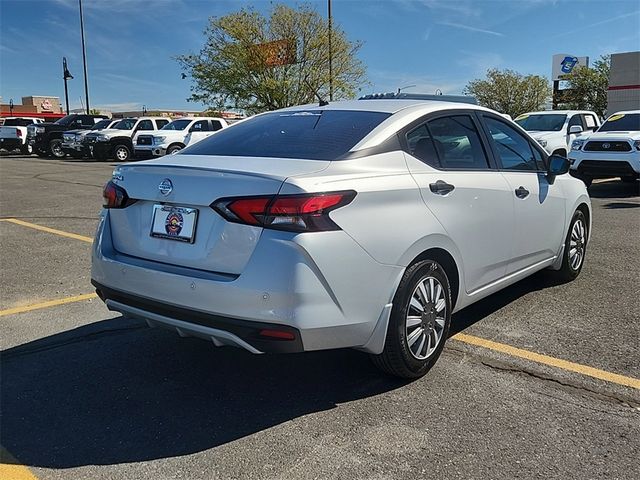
<point x="174" y="223"/>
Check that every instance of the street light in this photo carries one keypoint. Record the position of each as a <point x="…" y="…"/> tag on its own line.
<point x="66" y="75"/>
<point x="11" y="107"/>
<point x="84" y="57"/>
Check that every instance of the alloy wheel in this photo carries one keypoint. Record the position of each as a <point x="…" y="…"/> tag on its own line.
<point x="577" y="245"/>
<point x="425" y="321"/>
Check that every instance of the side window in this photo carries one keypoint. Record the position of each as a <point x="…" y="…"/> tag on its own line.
<point x="216" y="125"/>
<point x="200" y="126"/>
<point x="575" y="120"/>
<point x="145" y="125"/>
<point x="590" y="122"/>
<point x="161" y="123"/>
<point x="457" y="142"/>
<point x="514" y="150"/>
<point x="538" y="158"/>
<point x="421" y="146"/>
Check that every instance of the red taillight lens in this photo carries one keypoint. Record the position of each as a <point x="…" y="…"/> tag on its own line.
<point x="115" y="196"/>
<point x="297" y="213"/>
<point x="277" y="334"/>
<point x="18" y="133"/>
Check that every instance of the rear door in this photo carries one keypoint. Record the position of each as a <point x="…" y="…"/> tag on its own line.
<point x="469" y="197"/>
<point x="199" y="130"/>
<point x="539" y="205"/>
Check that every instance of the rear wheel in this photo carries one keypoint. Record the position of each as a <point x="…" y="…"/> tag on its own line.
<point x="575" y="248"/>
<point x="419" y="322"/>
<point x="121" y="153"/>
<point x="55" y="147"/>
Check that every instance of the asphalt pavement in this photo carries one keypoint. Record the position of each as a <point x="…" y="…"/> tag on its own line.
<point x="86" y="393"/>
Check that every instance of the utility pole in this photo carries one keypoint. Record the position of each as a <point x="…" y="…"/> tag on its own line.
<point x="330" y="53"/>
<point x="84" y="57"/>
<point x="66" y="76"/>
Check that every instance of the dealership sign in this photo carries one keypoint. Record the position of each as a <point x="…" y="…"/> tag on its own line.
<point x="564" y="63"/>
<point x="46" y="104"/>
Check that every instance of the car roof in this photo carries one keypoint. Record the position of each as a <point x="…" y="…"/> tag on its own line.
<point x="384" y="105"/>
<point x="557" y="112"/>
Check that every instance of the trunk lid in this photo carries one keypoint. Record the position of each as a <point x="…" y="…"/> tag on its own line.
<point x="196" y="182"/>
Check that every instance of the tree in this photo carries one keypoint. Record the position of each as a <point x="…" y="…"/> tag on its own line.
<point x="94" y="111"/>
<point x="510" y="92"/>
<point x="587" y="87"/>
<point x="237" y="67"/>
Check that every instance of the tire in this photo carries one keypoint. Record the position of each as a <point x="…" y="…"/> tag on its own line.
<point x="26" y="149"/>
<point x="55" y="147"/>
<point x="173" y="149"/>
<point x="576" y="238"/>
<point x="408" y="354"/>
<point x="121" y="153"/>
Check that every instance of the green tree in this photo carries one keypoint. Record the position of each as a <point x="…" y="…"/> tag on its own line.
<point x="510" y="92"/>
<point x="587" y="87"/>
<point x="232" y="71"/>
<point x="94" y="111"/>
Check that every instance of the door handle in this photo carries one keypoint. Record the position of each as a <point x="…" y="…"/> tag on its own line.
<point x="441" y="187"/>
<point x="522" y="192"/>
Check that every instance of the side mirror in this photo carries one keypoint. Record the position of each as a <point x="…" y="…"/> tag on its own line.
<point x="575" y="129"/>
<point x="558" y="165"/>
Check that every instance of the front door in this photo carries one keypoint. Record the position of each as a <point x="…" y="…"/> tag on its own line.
<point x="539" y="205"/>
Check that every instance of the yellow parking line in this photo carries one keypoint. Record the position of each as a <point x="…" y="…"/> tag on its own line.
<point x="50" y="303"/>
<point x="13" y="470"/>
<point x="550" y="361"/>
<point x="48" y="230"/>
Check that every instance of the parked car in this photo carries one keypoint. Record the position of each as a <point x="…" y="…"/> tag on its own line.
<point x="72" y="140"/>
<point x="556" y="129"/>
<point x="117" y="142"/>
<point x="46" y="138"/>
<point x="13" y="134"/>
<point x="612" y="151"/>
<point x="174" y="137"/>
<point x="361" y="224"/>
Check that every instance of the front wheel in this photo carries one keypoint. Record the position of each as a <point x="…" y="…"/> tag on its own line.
<point x="575" y="248"/>
<point x="419" y="322"/>
<point x="172" y="150"/>
<point x="121" y="153"/>
<point x="55" y="147"/>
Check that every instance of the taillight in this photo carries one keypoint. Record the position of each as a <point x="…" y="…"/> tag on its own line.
<point x="115" y="196"/>
<point x="18" y="133"/>
<point x="296" y="213"/>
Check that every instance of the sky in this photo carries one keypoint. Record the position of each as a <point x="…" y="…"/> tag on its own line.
<point x="432" y="44"/>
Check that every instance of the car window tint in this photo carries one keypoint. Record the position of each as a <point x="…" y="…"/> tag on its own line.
<point x="421" y="145"/>
<point x="200" y="126"/>
<point x="575" y="120"/>
<point x="537" y="156"/>
<point x="514" y="150"/>
<point x="161" y="123"/>
<point x="457" y="142"/>
<point x="216" y="125"/>
<point x="145" y="125"/>
<point x="305" y="134"/>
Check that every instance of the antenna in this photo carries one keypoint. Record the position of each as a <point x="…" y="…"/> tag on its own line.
<point x="321" y="101"/>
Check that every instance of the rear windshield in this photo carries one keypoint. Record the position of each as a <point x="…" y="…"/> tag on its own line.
<point x="309" y="134"/>
<point x="177" y="125"/>
<point x="17" y="122"/>
<point x="542" y="123"/>
<point x="627" y="122"/>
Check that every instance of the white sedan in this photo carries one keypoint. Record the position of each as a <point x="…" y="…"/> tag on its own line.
<point x="360" y="224"/>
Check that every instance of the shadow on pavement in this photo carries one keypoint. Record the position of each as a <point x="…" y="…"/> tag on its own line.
<point x="115" y="391"/>
<point x="614" y="189"/>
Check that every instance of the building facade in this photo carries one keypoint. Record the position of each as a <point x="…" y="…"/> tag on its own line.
<point x="624" y="82"/>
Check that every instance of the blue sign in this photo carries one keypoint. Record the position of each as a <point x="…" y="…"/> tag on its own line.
<point x="568" y="63"/>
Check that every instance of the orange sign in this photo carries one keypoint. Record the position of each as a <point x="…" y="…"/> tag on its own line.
<point x="279" y="52"/>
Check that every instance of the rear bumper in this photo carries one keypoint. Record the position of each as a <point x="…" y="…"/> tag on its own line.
<point x="188" y="322"/>
<point x="10" y="143"/>
<point x="323" y="287"/>
<point x="604" y="165"/>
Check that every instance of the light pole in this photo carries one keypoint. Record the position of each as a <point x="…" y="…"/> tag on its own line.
<point x="66" y="76"/>
<point x="84" y="57"/>
<point x="11" y="107"/>
<point x="330" y="53"/>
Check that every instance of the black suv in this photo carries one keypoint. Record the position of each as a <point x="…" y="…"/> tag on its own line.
<point x="46" y="138"/>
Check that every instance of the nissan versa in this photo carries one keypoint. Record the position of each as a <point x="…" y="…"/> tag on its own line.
<point x="361" y="224"/>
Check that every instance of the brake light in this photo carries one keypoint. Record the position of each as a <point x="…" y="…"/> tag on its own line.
<point x="18" y="133"/>
<point x="296" y="213"/>
<point x="115" y="196"/>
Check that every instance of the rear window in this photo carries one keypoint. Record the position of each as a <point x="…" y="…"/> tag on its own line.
<point x="622" y="122"/>
<point x="308" y="134"/>
<point x="17" y="122"/>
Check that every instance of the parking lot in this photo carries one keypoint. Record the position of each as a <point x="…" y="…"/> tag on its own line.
<point x="539" y="381"/>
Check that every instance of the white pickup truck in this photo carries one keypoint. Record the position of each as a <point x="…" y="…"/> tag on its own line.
<point x="178" y="134"/>
<point x="13" y="134"/>
<point x="556" y="129"/>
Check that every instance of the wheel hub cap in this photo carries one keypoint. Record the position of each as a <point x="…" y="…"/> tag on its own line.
<point x="426" y="314"/>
